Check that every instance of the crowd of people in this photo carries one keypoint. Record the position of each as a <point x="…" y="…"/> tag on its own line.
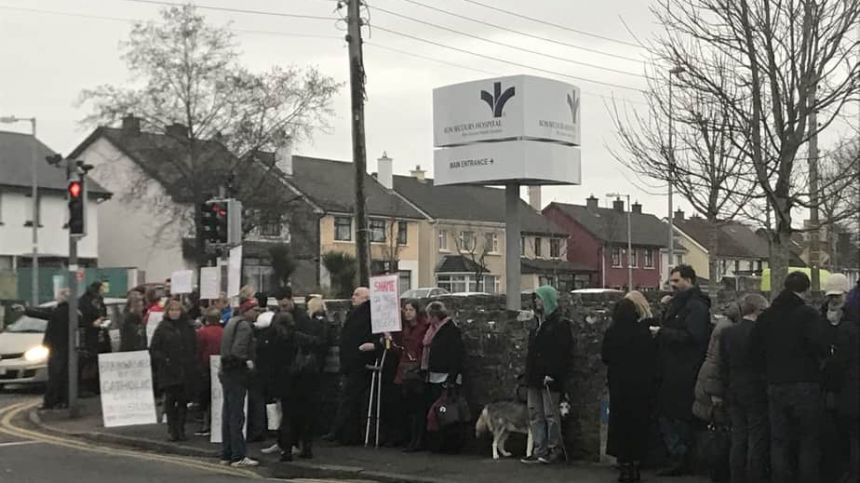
<point x="781" y="377"/>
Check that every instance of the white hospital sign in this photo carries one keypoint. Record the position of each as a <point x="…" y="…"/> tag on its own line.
<point x="529" y="162"/>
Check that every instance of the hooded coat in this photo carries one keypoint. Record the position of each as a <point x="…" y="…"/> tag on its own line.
<point x="683" y="342"/>
<point x="710" y="382"/>
<point x="550" y="345"/>
<point x="174" y="353"/>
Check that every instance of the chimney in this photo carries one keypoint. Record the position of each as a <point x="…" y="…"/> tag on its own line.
<point x="591" y="202"/>
<point x="385" y="167"/>
<point x="284" y="157"/>
<point x="534" y="198"/>
<point x="177" y="131"/>
<point x="618" y="205"/>
<point x="636" y="208"/>
<point x="679" y="215"/>
<point x="131" y="125"/>
<point x="418" y="173"/>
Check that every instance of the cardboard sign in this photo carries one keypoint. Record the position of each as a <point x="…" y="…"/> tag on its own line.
<point x="234" y="272"/>
<point x="152" y="321"/>
<point x="217" y="407"/>
<point x="182" y="282"/>
<point x="385" y="304"/>
<point x="126" y="389"/>
<point x="210" y="283"/>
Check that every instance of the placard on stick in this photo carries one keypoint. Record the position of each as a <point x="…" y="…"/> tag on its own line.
<point x="126" y="389"/>
<point x="385" y="304"/>
<point x="182" y="282"/>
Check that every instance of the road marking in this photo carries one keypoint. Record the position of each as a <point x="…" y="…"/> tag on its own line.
<point x="18" y="443"/>
<point x="8" y="413"/>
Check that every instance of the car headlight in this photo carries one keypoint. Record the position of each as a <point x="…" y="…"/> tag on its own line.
<point x="36" y="354"/>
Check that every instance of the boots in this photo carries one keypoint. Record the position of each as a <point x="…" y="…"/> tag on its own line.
<point x="626" y="475"/>
<point x="307" y="450"/>
<point x="678" y="467"/>
<point x="172" y="427"/>
<point x="181" y="416"/>
<point x="635" y="477"/>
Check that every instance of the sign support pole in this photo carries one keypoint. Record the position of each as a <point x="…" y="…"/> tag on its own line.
<point x="512" y="246"/>
<point x="73" y="327"/>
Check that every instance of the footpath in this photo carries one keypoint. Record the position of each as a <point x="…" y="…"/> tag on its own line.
<point x="331" y="462"/>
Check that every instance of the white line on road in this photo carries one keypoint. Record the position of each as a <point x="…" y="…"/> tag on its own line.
<point x="18" y="443"/>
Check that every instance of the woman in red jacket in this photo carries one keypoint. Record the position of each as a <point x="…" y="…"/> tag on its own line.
<point x="409" y="377"/>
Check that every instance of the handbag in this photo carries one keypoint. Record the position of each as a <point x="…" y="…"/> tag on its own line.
<point x="273" y="416"/>
<point x="452" y="409"/>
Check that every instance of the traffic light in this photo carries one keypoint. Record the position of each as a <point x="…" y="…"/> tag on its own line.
<point x="214" y="221"/>
<point x="77" y="193"/>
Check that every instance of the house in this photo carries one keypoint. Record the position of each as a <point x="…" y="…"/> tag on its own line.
<point x="148" y="224"/>
<point x="19" y="154"/>
<point x="598" y="240"/>
<point x="740" y="251"/>
<point x="463" y="242"/>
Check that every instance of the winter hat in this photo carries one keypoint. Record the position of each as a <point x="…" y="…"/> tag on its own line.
<point x="836" y="284"/>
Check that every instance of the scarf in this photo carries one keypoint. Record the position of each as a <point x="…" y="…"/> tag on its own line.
<point x="428" y="341"/>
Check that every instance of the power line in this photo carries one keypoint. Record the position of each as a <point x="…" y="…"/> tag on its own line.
<point x="503" y="44"/>
<point x="236" y="10"/>
<point x="551" y="24"/>
<point x="520" y="32"/>
<point x="516" y="64"/>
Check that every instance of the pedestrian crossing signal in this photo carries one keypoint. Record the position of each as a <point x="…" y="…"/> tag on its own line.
<point x="77" y="208"/>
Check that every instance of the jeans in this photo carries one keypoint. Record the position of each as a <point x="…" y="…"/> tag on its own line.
<point x="58" y="380"/>
<point x="795" y="420"/>
<point x="544" y="422"/>
<point x="677" y="435"/>
<point x="749" y="453"/>
<point x="257" y="426"/>
<point x="233" y="446"/>
<point x="347" y="424"/>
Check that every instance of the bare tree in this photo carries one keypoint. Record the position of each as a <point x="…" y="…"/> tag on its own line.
<point x="840" y="201"/>
<point x="771" y="64"/>
<point x="704" y="162"/>
<point x="186" y="72"/>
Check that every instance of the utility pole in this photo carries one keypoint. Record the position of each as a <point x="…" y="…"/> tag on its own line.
<point x="815" y="234"/>
<point x="671" y="252"/>
<point x="359" y="149"/>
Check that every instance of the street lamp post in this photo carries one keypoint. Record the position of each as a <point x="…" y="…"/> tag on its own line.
<point x="672" y="72"/>
<point x="35" y="196"/>
<point x="629" y="240"/>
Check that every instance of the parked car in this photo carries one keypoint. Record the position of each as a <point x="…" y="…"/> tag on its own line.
<point x="23" y="358"/>
<point x="469" y="294"/>
<point x="424" y="293"/>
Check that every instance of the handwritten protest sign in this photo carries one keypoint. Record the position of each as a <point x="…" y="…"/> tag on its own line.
<point x="152" y="321"/>
<point x="126" y="389"/>
<point x="210" y="282"/>
<point x="234" y="271"/>
<point x="385" y="304"/>
<point x="182" y="282"/>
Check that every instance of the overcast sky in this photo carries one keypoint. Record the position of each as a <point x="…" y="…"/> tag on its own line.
<point x="52" y="49"/>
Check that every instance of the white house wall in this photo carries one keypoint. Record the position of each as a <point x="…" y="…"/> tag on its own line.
<point x="16" y="239"/>
<point x="134" y="233"/>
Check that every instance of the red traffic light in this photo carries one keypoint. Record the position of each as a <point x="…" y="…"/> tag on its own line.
<point x="75" y="189"/>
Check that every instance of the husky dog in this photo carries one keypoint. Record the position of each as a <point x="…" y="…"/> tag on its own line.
<point x="501" y="419"/>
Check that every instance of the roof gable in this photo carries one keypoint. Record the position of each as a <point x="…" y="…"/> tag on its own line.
<point x="610" y="226"/>
<point x="734" y="239"/>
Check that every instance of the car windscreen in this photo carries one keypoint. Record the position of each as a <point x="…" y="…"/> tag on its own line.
<point x="27" y="325"/>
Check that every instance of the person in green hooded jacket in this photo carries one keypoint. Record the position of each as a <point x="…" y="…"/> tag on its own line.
<point x="548" y="364"/>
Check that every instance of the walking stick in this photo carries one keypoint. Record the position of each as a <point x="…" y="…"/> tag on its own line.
<point x="379" y="393"/>
<point x="557" y="414"/>
<point x="370" y="403"/>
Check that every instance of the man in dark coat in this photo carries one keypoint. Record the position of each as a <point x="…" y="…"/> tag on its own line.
<point x="93" y="311"/>
<point x="788" y="340"/>
<point x="683" y="342"/>
<point x="357" y="351"/>
<point x="548" y="363"/>
<point x="746" y="395"/>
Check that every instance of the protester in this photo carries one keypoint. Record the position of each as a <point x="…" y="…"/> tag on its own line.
<point x="279" y="352"/>
<point x="548" y="362"/>
<point x="409" y="377"/>
<point x="132" y="331"/>
<point x="682" y="341"/>
<point x="746" y="395"/>
<point x="630" y="354"/>
<point x="238" y="355"/>
<point x="93" y="313"/>
<point x="443" y="358"/>
<point x="357" y="350"/>
<point x="173" y="350"/>
<point x="789" y="342"/>
<point x="839" y="382"/>
<point x="222" y="303"/>
<point x="643" y="308"/>
<point x="710" y="388"/>
<point x="208" y="344"/>
<point x="262" y="380"/>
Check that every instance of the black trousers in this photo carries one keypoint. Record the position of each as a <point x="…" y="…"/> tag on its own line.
<point x="176" y="409"/>
<point x="795" y="428"/>
<point x="347" y="426"/>
<point x="300" y="408"/>
<point x="58" y="380"/>
<point x="415" y="410"/>
<point x="750" y="432"/>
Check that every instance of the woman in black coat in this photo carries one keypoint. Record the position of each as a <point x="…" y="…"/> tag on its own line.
<point x="630" y="353"/>
<point x="173" y="350"/>
<point x="443" y="360"/>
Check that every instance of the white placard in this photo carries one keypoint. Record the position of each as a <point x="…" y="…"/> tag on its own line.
<point x="152" y="321"/>
<point x="126" y="389"/>
<point x="217" y="401"/>
<point x="182" y="282"/>
<point x="385" y="304"/>
<point x="234" y="272"/>
<point x="210" y="283"/>
<point x="528" y="162"/>
<point x="514" y="107"/>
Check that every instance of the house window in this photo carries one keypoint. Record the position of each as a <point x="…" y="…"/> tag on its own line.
<point x="467" y="241"/>
<point x="554" y="248"/>
<point x="522" y="246"/>
<point x="737" y="266"/>
<point x="649" y="258"/>
<point x="405" y="280"/>
<point x="634" y="258"/>
<point x="616" y="257"/>
<point x="343" y="228"/>
<point x="443" y="241"/>
<point x="402" y="232"/>
<point x="491" y="284"/>
<point x="270" y="225"/>
<point x="467" y="282"/>
<point x="38" y="212"/>
<point x="491" y="243"/>
<point x="377" y="231"/>
<point x="538" y="248"/>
